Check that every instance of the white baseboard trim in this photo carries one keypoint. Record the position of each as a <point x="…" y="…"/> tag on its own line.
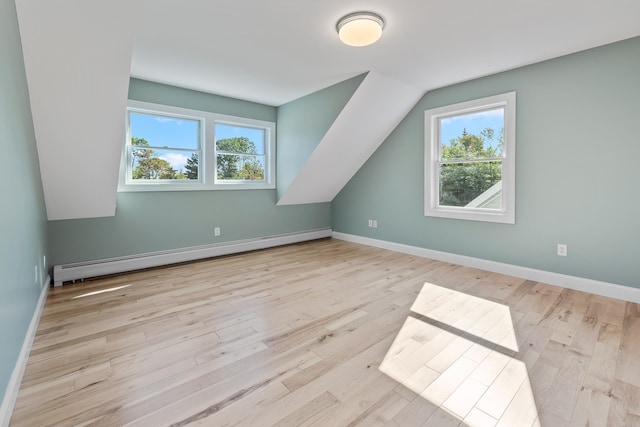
<point x="612" y="290"/>
<point x="84" y="270"/>
<point x="11" y="394"/>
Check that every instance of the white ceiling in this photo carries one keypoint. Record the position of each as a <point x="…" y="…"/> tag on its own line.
<point x="279" y="50"/>
<point x="80" y="54"/>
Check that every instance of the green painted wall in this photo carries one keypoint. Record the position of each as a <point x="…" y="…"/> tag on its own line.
<point x="141" y="90"/>
<point x="302" y="124"/>
<point x="577" y="181"/>
<point x="22" y="217"/>
<point x="154" y="221"/>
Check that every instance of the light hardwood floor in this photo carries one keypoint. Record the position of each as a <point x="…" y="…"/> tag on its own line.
<point x="330" y="333"/>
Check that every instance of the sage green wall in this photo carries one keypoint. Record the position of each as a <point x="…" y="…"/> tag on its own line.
<point x="154" y="221"/>
<point x="302" y="124"/>
<point x="577" y="181"/>
<point x="22" y="217"/>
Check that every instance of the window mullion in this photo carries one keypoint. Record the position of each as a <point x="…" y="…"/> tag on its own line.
<point x="479" y="160"/>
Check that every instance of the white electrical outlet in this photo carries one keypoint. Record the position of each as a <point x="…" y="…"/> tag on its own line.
<point x="375" y="223"/>
<point x="370" y="223"/>
<point x="216" y="231"/>
<point x="562" y="249"/>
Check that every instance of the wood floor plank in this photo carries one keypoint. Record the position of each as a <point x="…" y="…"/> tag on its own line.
<point x="329" y="333"/>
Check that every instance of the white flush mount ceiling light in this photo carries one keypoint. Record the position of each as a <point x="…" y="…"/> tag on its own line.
<point x="360" y="28"/>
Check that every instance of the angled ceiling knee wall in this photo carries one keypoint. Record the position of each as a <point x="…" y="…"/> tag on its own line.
<point x="373" y="111"/>
<point x="303" y="122"/>
<point x="77" y="58"/>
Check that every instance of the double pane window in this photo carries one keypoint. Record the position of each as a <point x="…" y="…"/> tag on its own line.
<point x="164" y="147"/>
<point x="173" y="149"/>
<point x="241" y="153"/>
<point x="470" y="160"/>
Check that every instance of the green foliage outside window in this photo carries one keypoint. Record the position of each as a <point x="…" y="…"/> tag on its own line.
<point x="146" y="164"/>
<point x="238" y="159"/>
<point x="470" y="165"/>
<point x="192" y="167"/>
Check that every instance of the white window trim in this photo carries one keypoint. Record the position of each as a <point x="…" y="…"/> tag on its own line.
<point x="207" y="161"/>
<point x="432" y="171"/>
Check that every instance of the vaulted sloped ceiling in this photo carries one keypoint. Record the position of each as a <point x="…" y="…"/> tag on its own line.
<point x="374" y="110"/>
<point x="78" y="102"/>
<point x="80" y="54"/>
<point x="78" y="78"/>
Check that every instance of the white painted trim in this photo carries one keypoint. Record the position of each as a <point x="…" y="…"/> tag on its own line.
<point x="208" y="180"/>
<point x="11" y="394"/>
<point x="432" y="163"/>
<point x="83" y="270"/>
<point x="612" y="290"/>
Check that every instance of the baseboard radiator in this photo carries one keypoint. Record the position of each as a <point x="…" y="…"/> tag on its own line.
<point x="84" y="270"/>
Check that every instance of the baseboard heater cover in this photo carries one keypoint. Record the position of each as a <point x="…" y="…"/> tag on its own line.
<point x="84" y="270"/>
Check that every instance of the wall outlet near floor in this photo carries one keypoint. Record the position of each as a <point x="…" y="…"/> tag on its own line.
<point x="562" y="249"/>
<point x="216" y="231"/>
<point x="373" y="223"/>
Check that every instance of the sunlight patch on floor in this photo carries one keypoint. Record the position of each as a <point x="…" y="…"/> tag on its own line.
<point x="102" y="291"/>
<point x="458" y="352"/>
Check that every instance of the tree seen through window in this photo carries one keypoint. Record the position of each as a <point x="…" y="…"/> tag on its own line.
<point x="470" y="166"/>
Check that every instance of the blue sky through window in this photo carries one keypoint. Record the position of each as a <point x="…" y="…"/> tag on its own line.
<point x="163" y="131"/>
<point x="474" y="123"/>
<point x="183" y="133"/>
<point x="224" y="131"/>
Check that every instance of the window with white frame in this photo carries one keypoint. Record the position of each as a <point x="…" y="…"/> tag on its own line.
<point x="170" y="148"/>
<point x="240" y="152"/>
<point x="470" y="160"/>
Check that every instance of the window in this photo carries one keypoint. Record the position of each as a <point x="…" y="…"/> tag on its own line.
<point x="470" y="160"/>
<point x="163" y="147"/>
<point x="240" y="153"/>
<point x="170" y="148"/>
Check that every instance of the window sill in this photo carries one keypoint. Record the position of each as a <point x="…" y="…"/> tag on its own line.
<point x="133" y="188"/>
<point x="484" y="215"/>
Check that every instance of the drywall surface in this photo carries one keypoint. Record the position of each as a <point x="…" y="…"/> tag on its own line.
<point x="303" y="122"/>
<point x="576" y="171"/>
<point x="155" y="221"/>
<point x="22" y="217"/>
